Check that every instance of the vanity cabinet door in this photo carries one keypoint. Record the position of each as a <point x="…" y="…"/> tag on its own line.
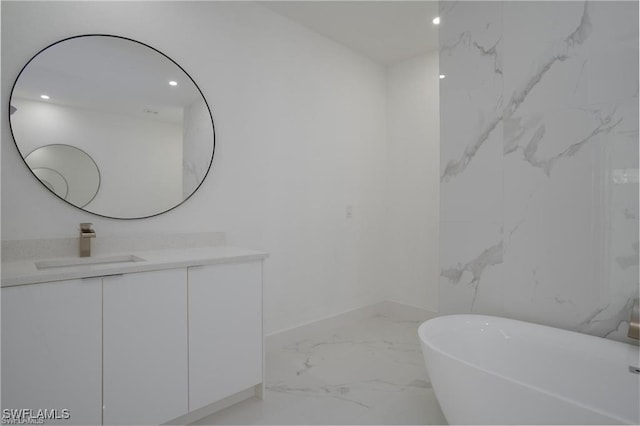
<point x="52" y="349"/>
<point x="145" y="347"/>
<point x="225" y="331"/>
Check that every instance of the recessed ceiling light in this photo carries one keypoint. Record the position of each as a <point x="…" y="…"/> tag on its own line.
<point x="436" y="20"/>
<point x="173" y="83"/>
<point x="442" y="76"/>
<point x="44" y="96"/>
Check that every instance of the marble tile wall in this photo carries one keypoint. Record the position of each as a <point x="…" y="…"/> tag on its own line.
<point x="539" y="162"/>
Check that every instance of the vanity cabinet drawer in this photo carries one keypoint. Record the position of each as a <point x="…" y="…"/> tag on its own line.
<point x="145" y="347"/>
<point x="52" y="349"/>
<point x="225" y="331"/>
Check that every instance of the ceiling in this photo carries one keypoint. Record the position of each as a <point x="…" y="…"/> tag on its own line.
<point x="386" y="31"/>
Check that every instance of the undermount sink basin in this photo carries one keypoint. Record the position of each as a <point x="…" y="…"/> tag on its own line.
<point x="87" y="261"/>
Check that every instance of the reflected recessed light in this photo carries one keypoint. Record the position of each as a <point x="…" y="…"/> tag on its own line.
<point x="173" y="83"/>
<point x="44" y="96"/>
<point x="442" y="76"/>
<point x="436" y="20"/>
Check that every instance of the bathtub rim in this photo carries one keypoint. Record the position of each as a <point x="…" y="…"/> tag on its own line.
<point x="574" y="334"/>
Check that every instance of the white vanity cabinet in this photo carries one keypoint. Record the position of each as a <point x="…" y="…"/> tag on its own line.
<point x="145" y="342"/>
<point x="225" y="330"/>
<point x="52" y="348"/>
<point x="145" y="347"/>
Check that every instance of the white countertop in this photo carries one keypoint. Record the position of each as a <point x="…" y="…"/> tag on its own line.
<point x="25" y="271"/>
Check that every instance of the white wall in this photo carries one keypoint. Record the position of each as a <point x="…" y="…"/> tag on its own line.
<point x="140" y="160"/>
<point x="300" y="131"/>
<point x="413" y="181"/>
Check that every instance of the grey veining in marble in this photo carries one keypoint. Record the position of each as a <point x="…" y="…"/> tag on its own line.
<point x="492" y="51"/>
<point x="489" y="257"/>
<point x="554" y="165"/>
<point x="559" y="53"/>
<point x="530" y="151"/>
<point x="455" y="167"/>
<point x="356" y="371"/>
<point x="471" y="112"/>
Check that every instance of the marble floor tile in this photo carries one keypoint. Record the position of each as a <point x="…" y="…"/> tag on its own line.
<point x="359" y="371"/>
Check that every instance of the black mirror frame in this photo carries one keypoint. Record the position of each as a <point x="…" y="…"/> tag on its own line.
<point x="147" y="46"/>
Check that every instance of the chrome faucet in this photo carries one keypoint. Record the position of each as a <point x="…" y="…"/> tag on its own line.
<point x="86" y="233"/>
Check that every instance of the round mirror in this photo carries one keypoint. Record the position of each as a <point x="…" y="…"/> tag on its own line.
<point x="67" y="171"/>
<point x="112" y="126"/>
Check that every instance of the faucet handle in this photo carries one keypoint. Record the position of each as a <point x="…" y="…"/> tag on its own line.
<point x="86" y="230"/>
<point x="86" y="227"/>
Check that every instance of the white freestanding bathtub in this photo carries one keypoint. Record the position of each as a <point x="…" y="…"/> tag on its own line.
<point x="491" y="370"/>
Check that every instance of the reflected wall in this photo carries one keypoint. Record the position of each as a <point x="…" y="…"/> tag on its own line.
<point x="132" y="183"/>
<point x="539" y="162"/>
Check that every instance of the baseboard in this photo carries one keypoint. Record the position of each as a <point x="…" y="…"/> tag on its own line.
<point x="355" y="314"/>
<point x="417" y="313"/>
<point x="387" y="307"/>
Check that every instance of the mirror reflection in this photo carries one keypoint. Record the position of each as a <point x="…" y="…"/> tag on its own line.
<point x="143" y="120"/>
<point x="67" y="171"/>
